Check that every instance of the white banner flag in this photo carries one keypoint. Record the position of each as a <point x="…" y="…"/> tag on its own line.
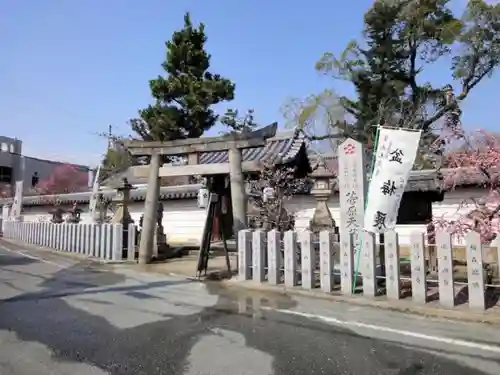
<point x="94" y="197"/>
<point x="396" y="152"/>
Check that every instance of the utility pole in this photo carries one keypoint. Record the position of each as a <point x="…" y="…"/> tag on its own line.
<point x="110" y="136"/>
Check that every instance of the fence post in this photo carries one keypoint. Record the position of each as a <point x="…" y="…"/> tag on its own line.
<point x="392" y="270"/>
<point x="290" y="258"/>
<point x="60" y="235"/>
<point x="83" y="239"/>
<point x="42" y="234"/>
<point x="445" y="269"/>
<point x="475" y="271"/>
<point x="368" y="264"/>
<point x="79" y="236"/>
<point x="78" y="232"/>
<point x="259" y="256"/>
<point x="65" y="236"/>
<point x="131" y="242"/>
<point x="46" y="234"/>
<point x="72" y="231"/>
<point x="56" y="236"/>
<point x="36" y="239"/>
<point x="418" y="268"/>
<point x="108" y="247"/>
<point x="102" y="245"/>
<point x="273" y="257"/>
<point x="88" y="229"/>
<point x="117" y="253"/>
<point x="308" y="260"/>
<point x="346" y="264"/>
<point x="326" y="264"/>
<point x="97" y="240"/>
<point x="39" y="240"/>
<point x="49" y="235"/>
<point x="75" y="238"/>
<point x="244" y="255"/>
<point x="28" y="232"/>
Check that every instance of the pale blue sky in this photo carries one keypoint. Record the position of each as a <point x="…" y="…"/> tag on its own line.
<point x="70" y="68"/>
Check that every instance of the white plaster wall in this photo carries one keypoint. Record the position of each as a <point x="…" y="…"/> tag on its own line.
<point x="457" y="204"/>
<point x="303" y="207"/>
<point x="452" y="207"/>
<point x="183" y="220"/>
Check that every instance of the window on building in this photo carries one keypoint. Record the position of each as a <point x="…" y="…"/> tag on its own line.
<point x="34" y="179"/>
<point x="6" y="175"/>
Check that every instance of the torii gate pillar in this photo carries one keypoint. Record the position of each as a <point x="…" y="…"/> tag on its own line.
<point x="150" y="211"/>
<point x="238" y="194"/>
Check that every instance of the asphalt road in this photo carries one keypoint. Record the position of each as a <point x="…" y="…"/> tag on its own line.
<point x="60" y="315"/>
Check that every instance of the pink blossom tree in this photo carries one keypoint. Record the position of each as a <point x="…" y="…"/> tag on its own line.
<point x="472" y="159"/>
<point x="65" y="178"/>
<point x="5" y="191"/>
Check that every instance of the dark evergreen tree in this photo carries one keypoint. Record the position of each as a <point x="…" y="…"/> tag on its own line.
<point x="401" y="40"/>
<point x="236" y="123"/>
<point x="183" y="99"/>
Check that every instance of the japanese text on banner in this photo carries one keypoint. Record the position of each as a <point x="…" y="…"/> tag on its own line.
<point x="396" y="152"/>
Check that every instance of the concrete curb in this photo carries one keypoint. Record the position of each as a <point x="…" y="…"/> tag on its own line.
<point x="407" y="307"/>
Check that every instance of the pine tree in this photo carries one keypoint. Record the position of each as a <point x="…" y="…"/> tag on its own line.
<point x="183" y="99"/>
<point x="400" y="41"/>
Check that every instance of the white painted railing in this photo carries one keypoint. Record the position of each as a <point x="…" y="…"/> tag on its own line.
<point x="103" y="241"/>
<point x="297" y="259"/>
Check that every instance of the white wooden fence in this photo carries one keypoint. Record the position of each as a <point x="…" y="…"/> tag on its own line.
<point x="103" y="241"/>
<point x="292" y="258"/>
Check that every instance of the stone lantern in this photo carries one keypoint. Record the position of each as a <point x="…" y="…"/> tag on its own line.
<point x="321" y="191"/>
<point x="122" y="201"/>
<point x="74" y="214"/>
<point x="57" y="213"/>
<point x="122" y="215"/>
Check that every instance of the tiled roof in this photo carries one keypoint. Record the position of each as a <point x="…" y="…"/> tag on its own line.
<point x="138" y="194"/>
<point x="429" y="179"/>
<point x="280" y="149"/>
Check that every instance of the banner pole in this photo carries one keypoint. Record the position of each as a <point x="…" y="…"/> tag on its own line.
<point x="360" y="247"/>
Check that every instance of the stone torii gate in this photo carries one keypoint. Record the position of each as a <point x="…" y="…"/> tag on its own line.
<point x="233" y="144"/>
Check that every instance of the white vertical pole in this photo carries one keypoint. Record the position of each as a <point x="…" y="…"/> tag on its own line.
<point x="326" y="265"/>
<point x="273" y="257"/>
<point x="258" y="255"/>
<point x="244" y="255"/>
<point x="290" y="250"/>
<point x="308" y="260"/>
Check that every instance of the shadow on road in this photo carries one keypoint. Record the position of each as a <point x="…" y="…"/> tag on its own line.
<point x="7" y="260"/>
<point x="296" y="345"/>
